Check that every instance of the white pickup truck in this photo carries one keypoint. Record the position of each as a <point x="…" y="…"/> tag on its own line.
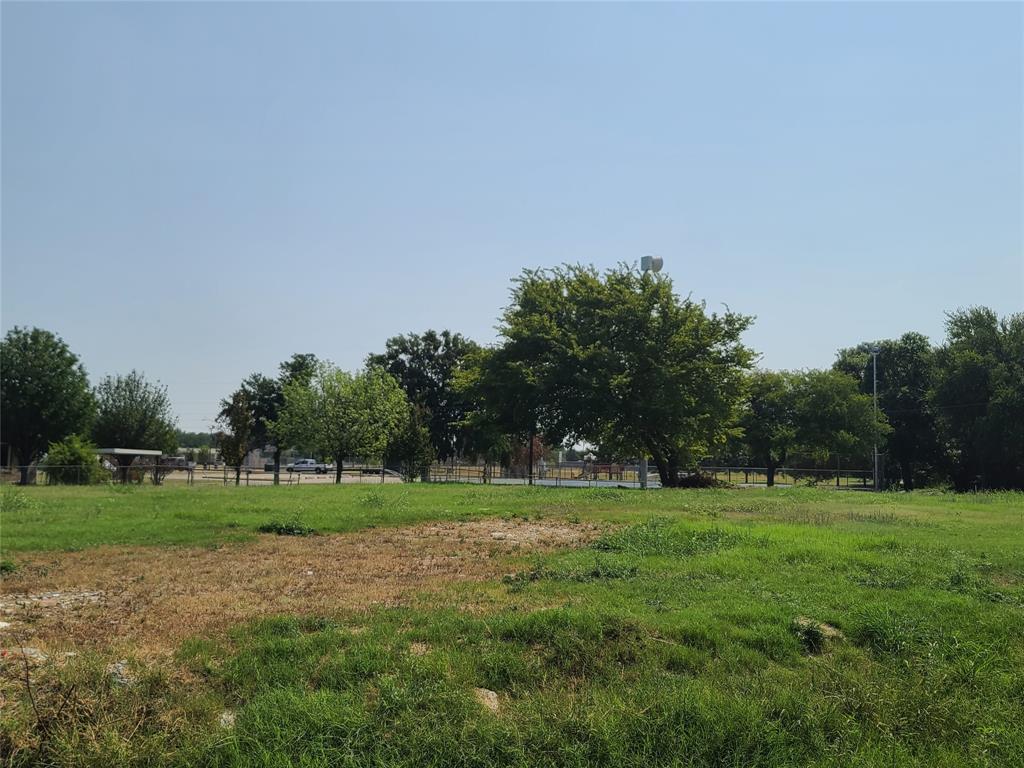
<point x="307" y="465"/>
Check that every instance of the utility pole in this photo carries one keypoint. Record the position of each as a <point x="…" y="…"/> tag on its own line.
<point x="647" y="264"/>
<point x="874" y="376"/>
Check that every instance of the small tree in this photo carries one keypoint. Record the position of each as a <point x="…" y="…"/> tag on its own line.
<point x="265" y="398"/>
<point x="768" y="419"/>
<point x="410" y="448"/>
<point x="833" y="418"/>
<point x="134" y="413"/>
<point x="235" y="443"/>
<point x="44" y="393"/>
<point x="72" y="461"/>
<point x="342" y="415"/>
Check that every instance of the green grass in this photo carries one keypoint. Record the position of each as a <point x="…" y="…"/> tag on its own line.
<point x="694" y="635"/>
<point x="77" y="517"/>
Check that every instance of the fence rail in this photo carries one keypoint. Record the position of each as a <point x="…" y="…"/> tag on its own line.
<point x="594" y="475"/>
<point x="160" y="474"/>
<point x="566" y="475"/>
<point x="840" y="478"/>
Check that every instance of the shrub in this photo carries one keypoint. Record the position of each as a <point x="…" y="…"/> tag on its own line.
<point x="288" y="528"/>
<point x="701" y="480"/>
<point x="15" y="500"/>
<point x="72" y="461"/>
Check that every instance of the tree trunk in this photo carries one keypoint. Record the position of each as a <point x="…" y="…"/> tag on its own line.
<point x="238" y="475"/>
<point x="673" y="470"/>
<point x="530" y="471"/>
<point x="907" y="471"/>
<point x="662" y="465"/>
<point x="770" y="472"/>
<point x="277" y="466"/>
<point x="337" y="470"/>
<point x="24" y="474"/>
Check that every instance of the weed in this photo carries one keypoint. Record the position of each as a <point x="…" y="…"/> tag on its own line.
<point x="14" y="500"/>
<point x="660" y="537"/>
<point x="289" y="528"/>
<point x="600" y="568"/>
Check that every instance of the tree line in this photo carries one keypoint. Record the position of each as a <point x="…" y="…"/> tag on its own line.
<point x="48" y="405"/>
<point x="615" y="361"/>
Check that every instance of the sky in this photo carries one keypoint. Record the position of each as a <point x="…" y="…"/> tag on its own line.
<point x="199" y="190"/>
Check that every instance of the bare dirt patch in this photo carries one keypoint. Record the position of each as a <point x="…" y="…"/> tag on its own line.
<point x="153" y="597"/>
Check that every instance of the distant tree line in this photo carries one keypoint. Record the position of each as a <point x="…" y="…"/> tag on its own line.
<point x="48" y="406"/>
<point x="612" y="364"/>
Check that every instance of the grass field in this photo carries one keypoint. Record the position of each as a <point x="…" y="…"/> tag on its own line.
<point x="489" y="626"/>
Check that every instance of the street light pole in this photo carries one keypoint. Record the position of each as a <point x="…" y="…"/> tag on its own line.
<point x="874" y="386"/>
<point x="647" y="264"/>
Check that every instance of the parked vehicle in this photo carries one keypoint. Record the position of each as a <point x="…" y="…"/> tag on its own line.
<point x="307" y="465"/>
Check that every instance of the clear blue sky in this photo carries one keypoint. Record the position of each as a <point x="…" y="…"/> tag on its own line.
<point x="198" y="190"/>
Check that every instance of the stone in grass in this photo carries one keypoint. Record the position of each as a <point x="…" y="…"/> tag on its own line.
<point x="120" y="673"/>
<point x="419" y="649"/>
<point x="814" y="635"/>
<point x="227" y="719"/>
<point x="26" y="652"/>
<point x="487" y="698"/>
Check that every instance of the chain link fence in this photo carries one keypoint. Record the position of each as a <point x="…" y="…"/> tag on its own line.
<point x="560" y="475"/>
<point x="161" y="474"/>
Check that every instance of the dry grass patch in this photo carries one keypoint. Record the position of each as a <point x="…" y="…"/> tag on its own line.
<point x="152" y="598"/>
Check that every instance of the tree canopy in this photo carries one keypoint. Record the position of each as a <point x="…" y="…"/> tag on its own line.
<point x="769" y="419"/>
<point x="426" y="366"/>
<point x="134" y="413"/>
<point x="616" y="359"/>
<point x="905" y="375"/>
<point x="44" y="392"/>
<point x="978" y="398"/>
<point x="236" y="440"/>
<point x="343" y="415"/>
<point x="263" y="399"/>
<point x="833" y="418"/>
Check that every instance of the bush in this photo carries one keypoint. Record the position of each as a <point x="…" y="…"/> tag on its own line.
<point x="701" y="480"/>
<point x="289" y="528"/>
<point x="72" y="461"/>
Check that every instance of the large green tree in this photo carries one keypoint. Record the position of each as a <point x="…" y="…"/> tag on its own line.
<point x="44" y="393"/>
<point x="507" y="401"/>
<point x="343" y="415"/>
<point x="768" y="419"/>
<point x="426" y="366"/>
<point x="617" y="359"/>
<point x="978" y="398"/>
<point x="134" y="413"/>
<point x="905" y="374"/>
<point x="833" y="418"/>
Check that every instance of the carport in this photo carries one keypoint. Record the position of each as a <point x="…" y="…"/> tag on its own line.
<point x="125" y="458"/>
